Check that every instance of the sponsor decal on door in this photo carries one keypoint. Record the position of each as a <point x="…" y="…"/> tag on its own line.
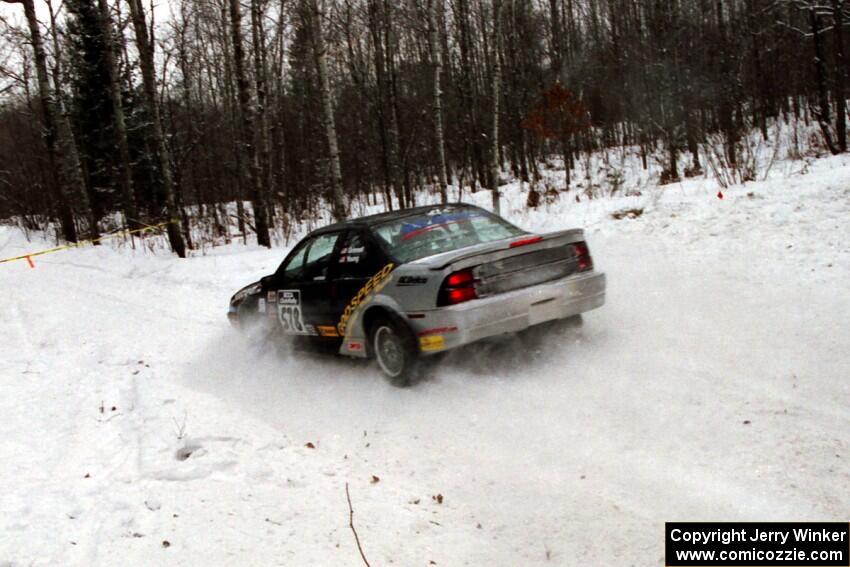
<point x="366" y="293"/>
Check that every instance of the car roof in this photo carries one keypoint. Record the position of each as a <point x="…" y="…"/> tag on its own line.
<point x="371" y="220"/>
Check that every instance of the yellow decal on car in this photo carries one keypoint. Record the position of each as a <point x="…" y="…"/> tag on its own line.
<point x="431" y="342"/>
<point x="327" y="331"/>
<point x="375" y="284"/>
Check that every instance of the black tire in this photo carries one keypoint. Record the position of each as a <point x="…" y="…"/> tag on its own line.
<point x="394" y="347"/>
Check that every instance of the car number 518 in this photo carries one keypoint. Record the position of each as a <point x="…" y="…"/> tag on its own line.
<point x="290" y="319"/>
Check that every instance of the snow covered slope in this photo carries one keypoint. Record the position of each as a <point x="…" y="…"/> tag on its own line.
<point x="712" y="386"/>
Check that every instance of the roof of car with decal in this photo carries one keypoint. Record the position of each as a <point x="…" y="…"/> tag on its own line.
<point x="372" y="220"/>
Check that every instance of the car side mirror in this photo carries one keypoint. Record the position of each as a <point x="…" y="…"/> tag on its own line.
<point x="266" y="281"/>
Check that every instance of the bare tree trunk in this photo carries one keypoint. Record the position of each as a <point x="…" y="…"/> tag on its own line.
<point x="727" y="122"/>
<point x="146" y="63"/>
<point x="387" y="113"/>
<point x="840" y="70"/>
<point x="231" y="112"/>
<point x="469" y="94"/>
<point x="565" y="151"/>
<point x="400" y="157"/>
<point x="438" y="102"/>
<point x="250" y="162"/>
<point x="188" y="107"/>
<point x="70" y="168"/>
<point x="261" y="82"/>
<point x="496" y="91"/>
<point x="556" y="48"/>
<point x="337" y="197"/>
<point x="50" y="118"/>
<point x="278" y="166"/>
<point x="673" y="150"/>
<point x="131" y="212"/>
<point x="691" y="139"/>
<point x="820" y="71"/>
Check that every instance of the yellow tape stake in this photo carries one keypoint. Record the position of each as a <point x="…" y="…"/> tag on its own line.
<point x="28" y="257"/>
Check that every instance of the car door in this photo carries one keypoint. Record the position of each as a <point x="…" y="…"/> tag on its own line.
<point x="359" y="259"/>
<point x="301" y="288"/>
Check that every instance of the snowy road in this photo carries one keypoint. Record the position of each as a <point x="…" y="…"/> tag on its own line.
<point x="714" y="385"/>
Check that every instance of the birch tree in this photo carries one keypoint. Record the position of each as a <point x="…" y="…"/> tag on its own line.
<point x="496" y="90"/>
<point x="250" y="164"/>
<point x="337" y="198"/>
<point x="437" y="59"/>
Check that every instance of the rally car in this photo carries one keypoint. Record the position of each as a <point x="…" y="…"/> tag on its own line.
<point x="406" y="284"/>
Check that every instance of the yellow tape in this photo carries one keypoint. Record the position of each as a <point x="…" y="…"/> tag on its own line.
<point x="84" y="242"/>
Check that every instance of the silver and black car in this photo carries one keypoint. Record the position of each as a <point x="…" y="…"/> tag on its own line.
<point x="402" y="285"/>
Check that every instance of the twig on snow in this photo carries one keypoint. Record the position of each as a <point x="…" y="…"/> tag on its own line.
<point x="180" y="428"/>
<point x="351" y="525"/>
<point x="108" y="419"/>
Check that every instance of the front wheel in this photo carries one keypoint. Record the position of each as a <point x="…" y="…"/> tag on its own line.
<point x="394" y="348"/>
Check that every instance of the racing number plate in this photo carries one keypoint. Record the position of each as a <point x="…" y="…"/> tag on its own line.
<point x="289" y="313"/>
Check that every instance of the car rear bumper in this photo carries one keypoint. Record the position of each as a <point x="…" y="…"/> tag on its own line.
<point x="450" y="327"/>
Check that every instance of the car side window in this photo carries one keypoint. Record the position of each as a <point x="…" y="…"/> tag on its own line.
<point x="358" y="257"/>
<point x="318" y="258"/>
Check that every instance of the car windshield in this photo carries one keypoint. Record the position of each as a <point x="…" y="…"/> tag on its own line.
<point x="441" y="230"/>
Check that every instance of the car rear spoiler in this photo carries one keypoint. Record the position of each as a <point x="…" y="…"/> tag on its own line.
<point x="507" y="248"/>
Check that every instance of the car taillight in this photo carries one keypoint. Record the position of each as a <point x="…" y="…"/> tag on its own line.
<point x="585" y="262"/>
<point x="457" y="288"/>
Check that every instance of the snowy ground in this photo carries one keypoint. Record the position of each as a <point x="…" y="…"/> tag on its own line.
<point x="712" y="386"/>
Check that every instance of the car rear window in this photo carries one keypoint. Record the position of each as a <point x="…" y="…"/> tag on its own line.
<point x="441" y="230"/>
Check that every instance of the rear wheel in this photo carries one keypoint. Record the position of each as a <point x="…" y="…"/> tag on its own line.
<point x="394" y="347"/>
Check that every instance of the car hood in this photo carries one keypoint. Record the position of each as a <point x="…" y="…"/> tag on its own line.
<point x="245" y="291"/>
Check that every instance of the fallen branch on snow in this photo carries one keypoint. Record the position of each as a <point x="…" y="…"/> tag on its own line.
<point x="351" y="525"/>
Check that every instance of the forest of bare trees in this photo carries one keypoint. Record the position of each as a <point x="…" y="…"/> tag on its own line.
<point x="124" y="113"/>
